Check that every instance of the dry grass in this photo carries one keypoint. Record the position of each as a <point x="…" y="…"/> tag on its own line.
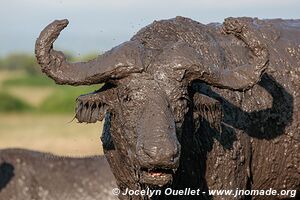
<point x="4" y="75"/>
<point x="42" y="132"/>
<point x="50" y="133"/>
<point x="32" y="95"/>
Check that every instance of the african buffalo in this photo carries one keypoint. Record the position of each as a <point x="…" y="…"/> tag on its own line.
<point x="188" y="105"/>
<point x="31" y="175"/>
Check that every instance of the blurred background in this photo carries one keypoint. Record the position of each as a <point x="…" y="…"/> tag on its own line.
<point x="37" y="114"/>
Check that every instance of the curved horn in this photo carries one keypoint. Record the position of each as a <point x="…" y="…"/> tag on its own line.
<point x="242" y="77"/>
<point x="116" y="63"/>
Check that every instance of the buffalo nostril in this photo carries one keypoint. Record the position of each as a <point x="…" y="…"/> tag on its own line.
<point x="172" y="159"/>
<point x="175" y="156"/>
<point x="163" y="155"/>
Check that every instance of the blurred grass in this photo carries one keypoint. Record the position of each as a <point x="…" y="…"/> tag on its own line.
<point x="29" y="80"/>
<point x="35" y="113"/>
<point x="63" y="99"/>
<point x="9" y="103"/>
<point x="38" y="94"/>
<point x="32" y="91"/>
<point x="55" y="133"/>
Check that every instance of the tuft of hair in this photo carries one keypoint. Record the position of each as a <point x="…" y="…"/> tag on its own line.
<point x="209" y="110"/>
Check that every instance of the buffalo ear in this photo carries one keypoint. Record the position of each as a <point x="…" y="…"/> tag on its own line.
<point x="93" y="107"/>
<point x="208" y="109"/>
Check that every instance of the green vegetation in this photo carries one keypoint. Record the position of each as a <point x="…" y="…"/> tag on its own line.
<point x="29" y="80"/>
<point x="63" y="100"/>
<point x="9" y="103"/>
<point x="35" y="113"/>
<point x="60" y="100"/>
<point x="27" y="62"/>
<point x="20" y="61"/>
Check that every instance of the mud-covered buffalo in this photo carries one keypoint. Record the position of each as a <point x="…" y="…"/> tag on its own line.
<point x="188" y="105"/>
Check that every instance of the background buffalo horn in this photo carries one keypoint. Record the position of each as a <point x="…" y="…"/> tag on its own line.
<point x="116" y="63"/>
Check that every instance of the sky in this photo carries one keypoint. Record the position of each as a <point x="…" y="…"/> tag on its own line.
<point x="99" y="25"/>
